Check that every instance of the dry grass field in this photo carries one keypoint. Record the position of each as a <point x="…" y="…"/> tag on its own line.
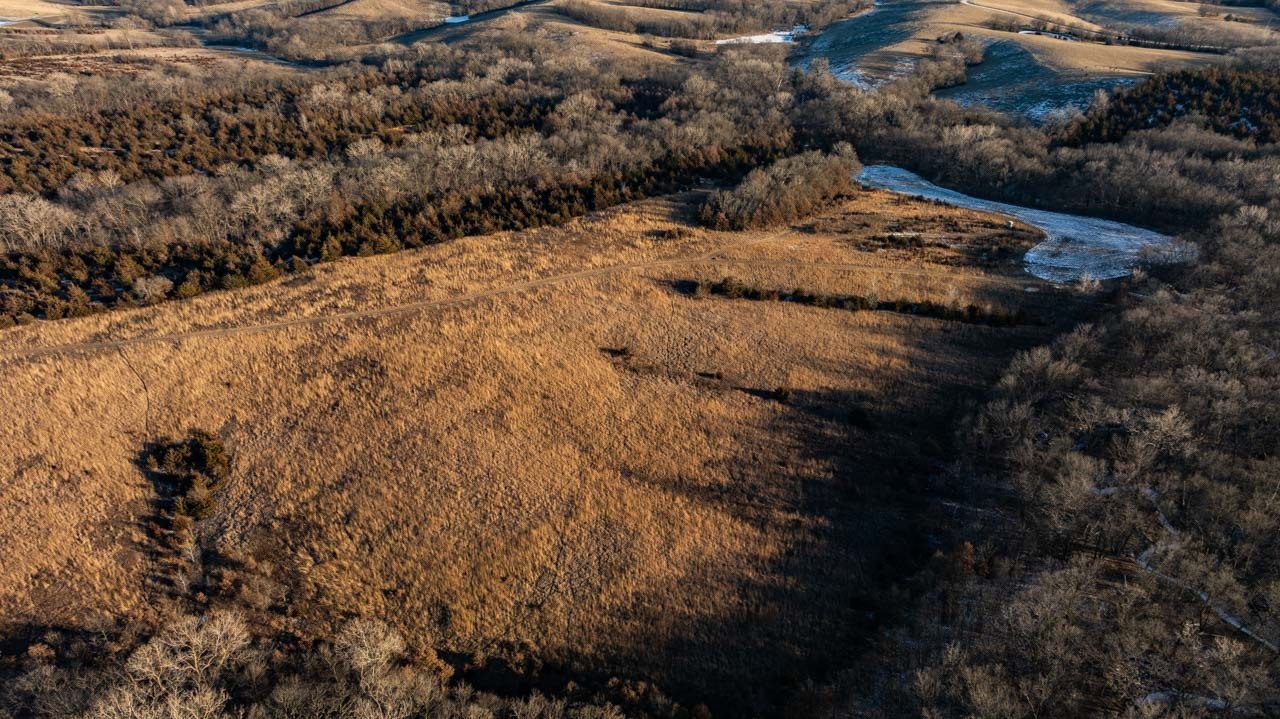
<point x="548" y="17"/>
<point x="531" y="443"/>
<point x="52" y="46"/>
<point x="63" y="71"/>
<point x="53" y="11"/>
<point x="545" y="20"/>
<point x="1084" y="59"/>
<point x="386" y="9"/>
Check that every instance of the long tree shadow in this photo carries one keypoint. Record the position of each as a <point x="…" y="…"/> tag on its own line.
<point x="855" y="537"/>
<point x="856" y="489"/>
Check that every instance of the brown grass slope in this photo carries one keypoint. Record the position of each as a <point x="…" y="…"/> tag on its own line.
<point x="528" y="439"/>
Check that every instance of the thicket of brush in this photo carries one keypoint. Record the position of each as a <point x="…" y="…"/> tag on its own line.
<point x="786" y="190"/>
<point x="1117" y="493"/>
<point x="1245" y="105"/>
<point x="213" y="666"/>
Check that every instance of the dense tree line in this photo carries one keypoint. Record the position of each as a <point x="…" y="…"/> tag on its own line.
<point x="300" y="30"/>
<point x="203" y="132"/>
<point x="1199" y="36"/>
<point x="34" y="44"/>
<point x="1242" y="3"/>
<point x="441" y="157"/>
<point x="1243" y="104"/>
<point x="1113" y="503"/>
<point x="100" y="241"/>
<point x="78" y="278"/>
<point x="1120" y="557"/>
<point x="153" y="81"/>
<point x="706" y="19"/>
<point x="1184" y="35"/>
<point x="623" y="19"/>
<point x="311" y="38"/>
<point x="1173" y="177"/>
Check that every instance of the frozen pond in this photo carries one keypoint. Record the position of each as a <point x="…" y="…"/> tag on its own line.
<point x="1076" y="247"/>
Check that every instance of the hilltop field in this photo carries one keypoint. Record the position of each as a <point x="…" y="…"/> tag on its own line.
<point x="575" y="445"/>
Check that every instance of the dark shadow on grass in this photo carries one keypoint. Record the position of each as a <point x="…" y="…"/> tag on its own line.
<point x="850" y="484"/>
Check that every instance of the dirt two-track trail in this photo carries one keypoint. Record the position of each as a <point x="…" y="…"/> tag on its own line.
<point x="716" y="256"/>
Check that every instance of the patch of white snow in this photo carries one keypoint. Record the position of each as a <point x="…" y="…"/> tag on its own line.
<point x="784" y="36"/>
<point x="1076" y="248"/>
<point x="1046" y="33"/>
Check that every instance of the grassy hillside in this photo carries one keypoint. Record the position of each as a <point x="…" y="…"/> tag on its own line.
<point x="535" y="444"/>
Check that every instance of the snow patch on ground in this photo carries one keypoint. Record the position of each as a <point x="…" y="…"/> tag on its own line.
<point x="857" y="78"/>
<point x="456" y="19"/>
<point x="1077" y="247"/>
<point x="1045" y="33"/>
<point x="785" y="36"/>
<point x="852" y="75"/>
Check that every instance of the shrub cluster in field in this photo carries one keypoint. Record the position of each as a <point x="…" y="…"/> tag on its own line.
<point x="187" y="475"/>
<point x="193" y="469"/>
<point x="786" y="190"/>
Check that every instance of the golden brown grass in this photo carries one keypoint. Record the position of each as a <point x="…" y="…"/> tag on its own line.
<point x="50" y="10"/>
<point x="64" y="69"/>
<point x="387" y="9"/>
<point x="1087" y="59"/>
<point x="547" y="22"/>
<point x="587" y="462"/>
